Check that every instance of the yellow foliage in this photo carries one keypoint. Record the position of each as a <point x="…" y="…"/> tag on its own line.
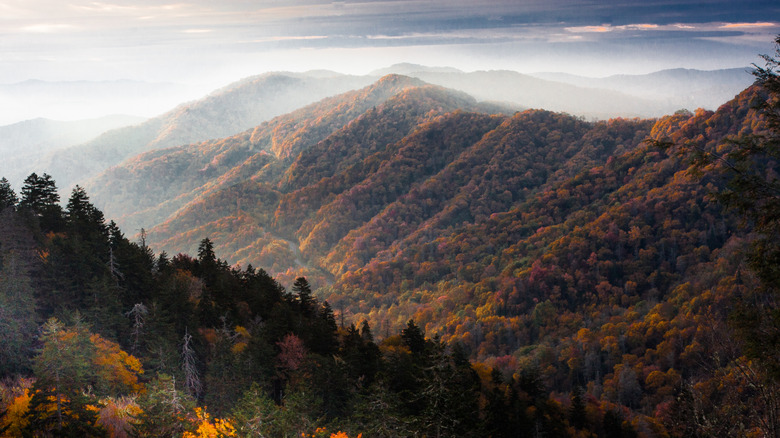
<point x="115" y="366"/>
<point x="15" y="415"/>
<point x="238" y="347"/>
<point x="242" y="341"/>
<point x="218" y="428"/>
<point x="243" y="332"/>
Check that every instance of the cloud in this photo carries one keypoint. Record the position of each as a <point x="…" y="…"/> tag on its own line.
<point x="639" y="27"/>
<point x="48" y="28"/>
<point x="607" y="28"/>
<point x="589" y="29"/>
<point x="287" y="38"/>
<point x="747" y="25"/>
<point x="159" y="37"/>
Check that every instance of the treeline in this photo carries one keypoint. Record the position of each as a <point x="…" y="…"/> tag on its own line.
<point x="103" y="338"/>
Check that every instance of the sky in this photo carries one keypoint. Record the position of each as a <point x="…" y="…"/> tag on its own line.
<point x="208" y="44"/>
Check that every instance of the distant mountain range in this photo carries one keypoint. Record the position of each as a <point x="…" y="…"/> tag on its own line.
<point x="649" y="95"/>
<point x="24" y="144"/>
<point x="224" y="112"/>
<point x="680" y="88"/>
<point x="251" y="101"/>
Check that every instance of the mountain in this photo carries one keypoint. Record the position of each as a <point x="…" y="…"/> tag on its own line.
<point x="650" y="95"/>
<point x="251" y="101"/>
<point x="679" y="88"/>
<point x="22" y="143"/>
<point x="361" y="182"/>
<point x="279" y="156"/>
<point x="225" y="112"/>
<point x="531" y="92"/>
<point x="559" y="252"/>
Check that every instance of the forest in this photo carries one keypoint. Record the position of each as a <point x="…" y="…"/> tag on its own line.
<point x="103" y="338"/>
<point x="471" y="274"/>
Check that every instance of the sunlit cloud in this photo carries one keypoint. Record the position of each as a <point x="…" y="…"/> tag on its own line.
<point x="747" y="25"/>
<point x="113" y="8"/>
<point x="49" y="28"/>
<point x="190" y="39"/>
<point x="589" y="29"/>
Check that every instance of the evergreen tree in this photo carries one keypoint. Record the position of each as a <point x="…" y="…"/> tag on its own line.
<point x="577" y="416"/>
<point x="84" y="220"/>
<point x="302" y="290"/>
<point x="17" y="317"/>
<point x="255" y="414"/>
<point x="165" y="410"/>
<point x="41" y="200"/>
<point x="7" y="195"/>
<point x="413" y="338"/>
<point x="63" y="371"/>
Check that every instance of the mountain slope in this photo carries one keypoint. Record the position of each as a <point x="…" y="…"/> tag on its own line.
<point x="571" y="250"/>
<point x="186" y="171"/>
<point x="22" y="143"/>
<point x="680" y="88"/>
<point x="648" y="95"/>
<point x="337" y="184"/>
<point x="225" y="112"/>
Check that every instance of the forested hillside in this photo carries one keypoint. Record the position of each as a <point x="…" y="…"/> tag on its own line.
<point x="224" y="112"/>
<point x="580" y="251"/>
<point x="573" y="278"/>
<point x="103" y="338"/>
<point x="23" y="143"/>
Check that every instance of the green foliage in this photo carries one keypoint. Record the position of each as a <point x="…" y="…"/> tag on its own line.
<point x="18" y="319"/>
<point x="8" y="197"/>
<point x="164" y="409"/>
<point x="63" y="370"/>
<point x="41" y="200"/>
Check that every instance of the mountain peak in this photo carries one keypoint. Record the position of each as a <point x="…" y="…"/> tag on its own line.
<point x="393" y="79"/>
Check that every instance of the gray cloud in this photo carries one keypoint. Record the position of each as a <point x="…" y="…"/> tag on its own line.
<point x="187" y="39"/>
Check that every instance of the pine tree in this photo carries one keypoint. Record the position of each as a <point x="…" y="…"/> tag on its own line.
<point x="302" y="289"/>
<point x="577" y="415"/>
<point x="85" y="219"/>
<point x="413" y="338"/>
<point x="63" y="372"/>
<point x="165" y="410"/>
<point x="41" y="200"/>
<point x="17" y="317"/>
<point x="7" y="195"/>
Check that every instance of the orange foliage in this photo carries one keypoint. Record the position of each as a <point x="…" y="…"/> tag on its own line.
<point x="118" y="369"/>
<point x="210" y="428"/>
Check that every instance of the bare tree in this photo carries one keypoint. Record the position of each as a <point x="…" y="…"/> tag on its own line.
<point x="188" y="365"/>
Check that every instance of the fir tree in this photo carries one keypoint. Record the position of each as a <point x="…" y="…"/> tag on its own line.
<point x="41" y="200"/>
<point x="7" y="195"/>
